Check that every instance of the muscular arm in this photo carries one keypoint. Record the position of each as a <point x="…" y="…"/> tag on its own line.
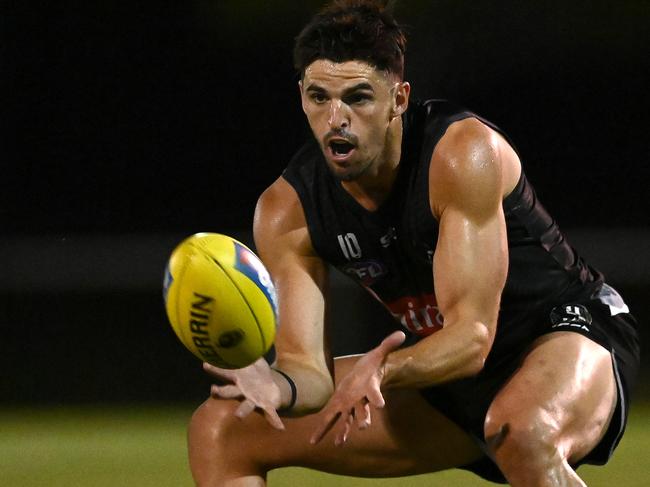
<point x="300" y="276"/>
<point x="471" y="170"/>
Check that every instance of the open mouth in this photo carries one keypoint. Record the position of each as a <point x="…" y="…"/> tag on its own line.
<point x="340" y="148"/>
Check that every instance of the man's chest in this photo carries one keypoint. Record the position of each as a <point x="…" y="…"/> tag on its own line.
<point x="394" y="263"/>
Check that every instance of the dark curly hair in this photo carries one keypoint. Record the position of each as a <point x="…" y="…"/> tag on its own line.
<point x="347" y="30"/>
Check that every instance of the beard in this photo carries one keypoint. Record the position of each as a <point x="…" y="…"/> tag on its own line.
<point x="350" y="173"/>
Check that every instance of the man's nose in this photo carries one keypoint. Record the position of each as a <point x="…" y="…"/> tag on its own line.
<point x="338" y="118"/>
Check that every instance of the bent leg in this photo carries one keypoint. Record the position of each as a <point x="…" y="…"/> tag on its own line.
<point x="407" y="437"/>
<point x="553" y="411"/>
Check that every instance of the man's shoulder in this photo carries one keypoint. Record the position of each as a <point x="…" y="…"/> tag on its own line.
<point x="465" y="135"/>
<point x="472" y="163"/>
<point x="279" y="206"/>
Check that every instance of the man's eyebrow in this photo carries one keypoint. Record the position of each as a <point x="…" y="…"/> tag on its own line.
<point x="358" y="87"/>
<point x="314" y="87"/>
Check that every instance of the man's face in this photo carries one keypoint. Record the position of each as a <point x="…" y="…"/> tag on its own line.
<point x="350" y="107"/>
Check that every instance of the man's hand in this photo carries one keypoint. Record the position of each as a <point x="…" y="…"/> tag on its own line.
<point x="357" y="391"/>
<point x="254" y="384"/>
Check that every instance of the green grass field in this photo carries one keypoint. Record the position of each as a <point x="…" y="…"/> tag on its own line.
<point x="145" y="447"/>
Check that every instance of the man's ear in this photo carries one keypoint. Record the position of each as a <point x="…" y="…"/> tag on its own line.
<point x="401" y="98"/>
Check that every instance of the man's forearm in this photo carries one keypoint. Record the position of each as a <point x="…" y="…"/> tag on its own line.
<point x="452" y="353"/>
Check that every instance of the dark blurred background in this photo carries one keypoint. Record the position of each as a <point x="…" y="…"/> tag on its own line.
<point x="127" y="126"/>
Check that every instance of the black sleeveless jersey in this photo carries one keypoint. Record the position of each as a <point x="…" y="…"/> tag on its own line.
<point x="389" y="251"/>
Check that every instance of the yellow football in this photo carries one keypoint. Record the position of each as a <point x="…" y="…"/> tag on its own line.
<point x="220" y="300"/>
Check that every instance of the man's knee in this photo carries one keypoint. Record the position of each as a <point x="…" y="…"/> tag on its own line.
<point x="530" y="439"/>
<point x="216" y="443"/>
<point x="211" y="422"/>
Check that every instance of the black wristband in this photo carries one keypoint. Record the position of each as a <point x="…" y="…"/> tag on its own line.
<point x="294" y="392"/>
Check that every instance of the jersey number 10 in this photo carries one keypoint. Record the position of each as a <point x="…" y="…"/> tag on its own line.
<point x="350" y="246"/>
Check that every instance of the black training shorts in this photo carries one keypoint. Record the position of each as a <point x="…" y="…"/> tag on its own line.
<point x="604" y="319"/>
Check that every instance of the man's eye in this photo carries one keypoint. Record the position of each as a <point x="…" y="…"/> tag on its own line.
<point x="358" y="99"/>
<point x="319" y="98"/>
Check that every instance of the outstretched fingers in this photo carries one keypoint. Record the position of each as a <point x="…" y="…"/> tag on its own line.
<point x="247" y="406"/>
<point x="354" y="395"/>
<point x="359" y="414"/>
<point x="224" y="374"/>
<point x="250" y="388"/>
<point x="342" y="437"/>
<point x="362" y="416"/>
<point x="326" y="425"/>
<point x="227" y="391"/>
<point x="273" y="418"/>
<point x="376" y="398"/>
